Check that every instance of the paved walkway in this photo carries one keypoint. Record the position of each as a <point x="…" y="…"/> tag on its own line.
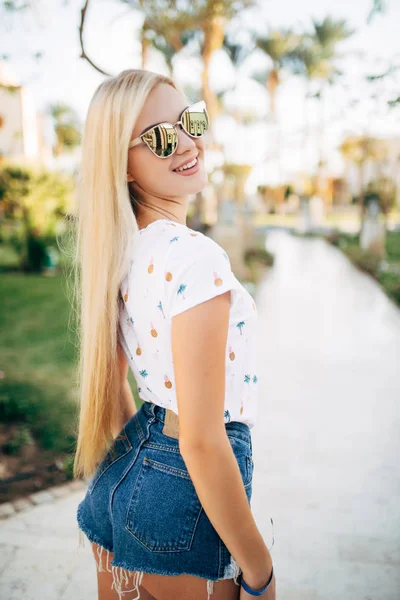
<point x="326" y="447"/>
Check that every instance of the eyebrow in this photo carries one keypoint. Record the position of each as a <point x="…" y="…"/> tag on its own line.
<point x="165" y="121"/>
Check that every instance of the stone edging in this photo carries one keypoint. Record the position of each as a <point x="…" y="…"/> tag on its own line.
<point x="10" y="509"/>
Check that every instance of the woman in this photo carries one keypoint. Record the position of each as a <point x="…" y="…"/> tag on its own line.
<point x="168" y="503"/>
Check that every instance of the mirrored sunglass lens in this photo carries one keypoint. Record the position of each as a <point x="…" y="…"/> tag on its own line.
<point x="195" y="121"/>
<point x="161" y="139"/>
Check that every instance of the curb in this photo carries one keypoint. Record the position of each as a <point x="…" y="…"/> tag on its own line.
<point x="48" y="495"/>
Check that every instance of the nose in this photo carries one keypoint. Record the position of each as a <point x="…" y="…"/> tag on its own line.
<point x="185" y="142"/>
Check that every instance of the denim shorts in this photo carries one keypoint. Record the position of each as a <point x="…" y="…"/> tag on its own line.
<point x="141" y="505"/>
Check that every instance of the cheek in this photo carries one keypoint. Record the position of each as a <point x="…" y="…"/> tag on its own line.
<point x="148" y="170"/>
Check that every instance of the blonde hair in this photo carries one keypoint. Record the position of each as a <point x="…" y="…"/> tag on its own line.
<point x="106" y="220"/>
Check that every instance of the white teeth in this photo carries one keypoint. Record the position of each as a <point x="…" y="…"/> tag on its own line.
<point x="188" y="166"/>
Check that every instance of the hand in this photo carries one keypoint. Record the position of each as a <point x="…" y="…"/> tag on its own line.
<point x="269" y="594"/>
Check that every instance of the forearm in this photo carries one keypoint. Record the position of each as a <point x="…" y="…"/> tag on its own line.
<point x="218" y="482"/>
<point x="127" y="408"/>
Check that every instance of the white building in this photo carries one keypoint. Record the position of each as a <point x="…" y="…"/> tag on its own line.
<point x="22" y="127"/>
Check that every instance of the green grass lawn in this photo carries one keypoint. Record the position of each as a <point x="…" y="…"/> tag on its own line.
<point x="38" y="357"/>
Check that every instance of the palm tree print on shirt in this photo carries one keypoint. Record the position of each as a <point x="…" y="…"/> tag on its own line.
<point x="227" y="415"/>
<point x="181" y="289"/>
<point x="240" y="325"/>
<point x="160" y="306"/>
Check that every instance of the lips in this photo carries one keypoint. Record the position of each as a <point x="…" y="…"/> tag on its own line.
<point x="186" y="162"/>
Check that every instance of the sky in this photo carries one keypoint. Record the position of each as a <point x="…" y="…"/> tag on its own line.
<point x="111" y="39"/>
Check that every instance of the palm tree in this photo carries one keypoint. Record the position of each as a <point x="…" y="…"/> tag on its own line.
<point x="327" y="34"/>
<point x="181" y="23"/>
<point x="165" y="33"/>
<point x="145" y="41"/>
<point x="279" y="46"/>
<point x="315" y="58"/>
<point x="170" y="28"/>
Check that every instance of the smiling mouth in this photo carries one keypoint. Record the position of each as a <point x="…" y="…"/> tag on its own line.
<point x="187" y="167"/>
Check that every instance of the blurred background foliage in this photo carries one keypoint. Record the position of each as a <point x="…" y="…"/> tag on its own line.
<point x="37" y="339"/>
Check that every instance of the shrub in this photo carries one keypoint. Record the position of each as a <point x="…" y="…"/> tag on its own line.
<point x="21" y="437"/>
<point x="259" y="255"/>
<point x="341" y="239"/>
<point x="68" y="466"/>
<point x="48" y="413"/>
<point x="365" y="260"/>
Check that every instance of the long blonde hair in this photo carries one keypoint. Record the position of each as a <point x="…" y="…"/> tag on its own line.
<point x="106" y="220"/>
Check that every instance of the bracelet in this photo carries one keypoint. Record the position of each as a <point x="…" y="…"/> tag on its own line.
<point x="253" y="592"/>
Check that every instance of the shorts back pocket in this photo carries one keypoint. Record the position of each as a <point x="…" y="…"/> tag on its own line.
<point x="164" y="508"/>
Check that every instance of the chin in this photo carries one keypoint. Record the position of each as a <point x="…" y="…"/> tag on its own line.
<point x="201" y="184"/>
<point x="192" y="185"/>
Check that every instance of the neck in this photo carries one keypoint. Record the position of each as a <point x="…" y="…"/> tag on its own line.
<point x="177" y="212"/>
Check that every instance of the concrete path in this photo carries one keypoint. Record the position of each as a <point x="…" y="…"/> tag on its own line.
<point x="326" y="447"/>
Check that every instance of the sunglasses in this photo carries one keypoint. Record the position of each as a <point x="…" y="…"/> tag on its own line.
<point x="162" y="139"/>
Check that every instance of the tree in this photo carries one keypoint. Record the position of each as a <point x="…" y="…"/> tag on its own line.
<point x="378" y="7"/>
<point x="278" y="46"/>
<point x="66" y="126"/>
<point x="174" y="24"/>
<point x="33" y="200"/>
<point x="315" y="59"/>
<point x="360" y="150"/>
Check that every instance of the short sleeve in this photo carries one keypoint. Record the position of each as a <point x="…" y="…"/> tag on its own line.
<point x="197" y="269"/>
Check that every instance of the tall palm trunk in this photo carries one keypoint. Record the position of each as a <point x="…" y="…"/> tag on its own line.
<point x="213" y="32"/>
<point x="213" y="40"/>
<point x="321" y="149"/>
<point x="272" y="86"/>
<point x="145" y="42"/>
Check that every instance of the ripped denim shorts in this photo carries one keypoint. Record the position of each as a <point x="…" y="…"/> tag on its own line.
<point x="141" y="505"/>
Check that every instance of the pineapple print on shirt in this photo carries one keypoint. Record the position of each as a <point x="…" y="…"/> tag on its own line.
<point x="172" y="269"/>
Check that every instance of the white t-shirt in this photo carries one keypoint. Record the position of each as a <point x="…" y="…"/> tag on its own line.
<point x="172" y="269"/>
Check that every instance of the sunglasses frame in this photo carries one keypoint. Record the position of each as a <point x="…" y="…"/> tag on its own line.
<point x="139" y="139"/>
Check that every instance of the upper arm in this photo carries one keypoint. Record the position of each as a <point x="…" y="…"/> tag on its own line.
<point x="199" y="337"/>
<point x="198" y="301"/>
